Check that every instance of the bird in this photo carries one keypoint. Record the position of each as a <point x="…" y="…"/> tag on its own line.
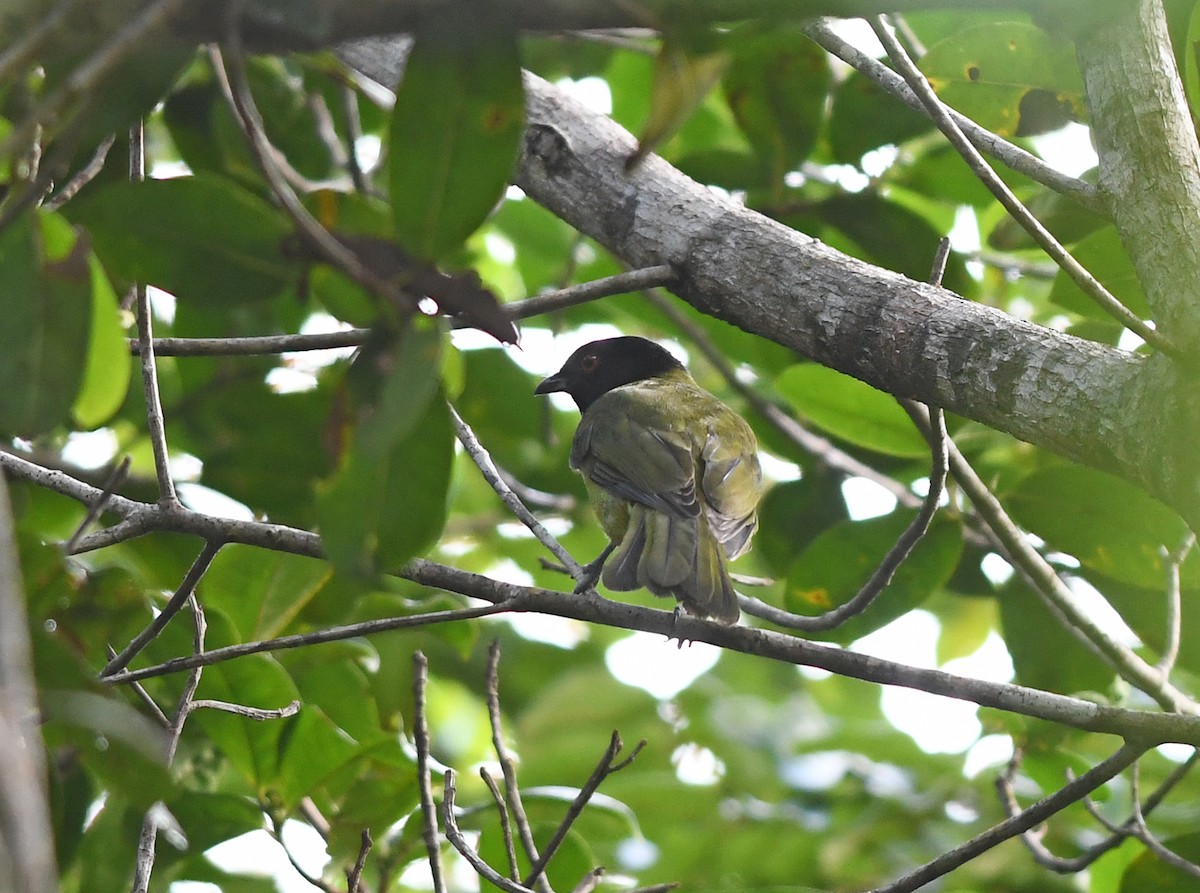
<point x="672" y="474"/>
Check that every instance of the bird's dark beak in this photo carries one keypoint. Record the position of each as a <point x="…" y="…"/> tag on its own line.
<point x="549" y="385"/>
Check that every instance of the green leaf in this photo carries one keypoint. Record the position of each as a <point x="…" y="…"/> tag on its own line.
<point x="109" y="363"/>
<point x="835" y="566"/>
<point x="776" y="86"/>
<point x="851" y="410"/>
<point x="388" y="504"/>
<point x="1150" y="874"/>
<point x="455" y="131"/>
<point x="1009" y="77"/>
<point x="857" y="99"/>
<point x="1108" y="524"/>
<point x="1045" y="653"/>
<point x="261" y="593"/>
<point x="46" y="302"/>
<point x="201" y="238"/>
<point x="1104" y="256"/>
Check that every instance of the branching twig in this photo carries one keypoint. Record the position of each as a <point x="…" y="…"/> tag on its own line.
<point x="300" y="640"/>
<point x="573" y="295"/>
<point x="510" y="849"/>
<point x="604" y="768"/>
<point x="1071" y="792"/>
<point x="1079" y="275"/>
<point x="1011" y="155"/>
<point x="508" y="766"/>
<point x="186" y="588"/>
<point x="487" y="468"/>
<point x="354" y="875"/>
<point x="1172" y="561"/>
<point x="421" y="741"/>
<point x="96" y="507"/>
<point x="259" y="714"/>
<point x="459" y="842"/>
<point x="83" y="176"/>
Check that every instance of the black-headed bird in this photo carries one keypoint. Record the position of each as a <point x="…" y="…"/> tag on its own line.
<point x="672" y="473"/>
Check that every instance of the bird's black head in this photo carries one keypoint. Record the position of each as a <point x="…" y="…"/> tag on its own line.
<point x="598" y="367"/>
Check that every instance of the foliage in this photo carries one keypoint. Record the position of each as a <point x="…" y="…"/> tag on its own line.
<point x="754" y="775"/>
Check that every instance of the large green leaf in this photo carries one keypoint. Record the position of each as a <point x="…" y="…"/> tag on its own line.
<point x="776" y="86"/>
<point x="837" y="563"/>
<point x="262" y="593"/>
<point x="201" y="238"/>
<point x="455" y="131"/>
<point x="387" y="500"/>
<point x="1109" y="525"/>
<point x="47" y="303"/>
<point x="109" y="365"/>
<point x="851" y="409"/>
<point x="1010" y="77"/>
<point x="1149" y="874"/>
<point x="1102" y="253"/>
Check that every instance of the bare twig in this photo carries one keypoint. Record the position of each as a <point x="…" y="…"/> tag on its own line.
<point x="590" y="881"/>
<point x="1146" y="836"/>
<point x="300" y="640"/>
<point x="155" y="425"/>
<point x="604" y="768"/>
<point x="459" y="842"/>
<point x="85" y="175"/>
<point x="1172" y="561"/>
<point x="487" y="468"/>
<point x="115" y="479"/>
<point x="421" y="741"/>
<point x="507" y="766"/>
<point x="185" y="591"/>
<point x="259" y="714"/>
<point x="1054" y="592"/>
<point x="510" y="849"/>
<point x="144" y="697"/>
<point x="573" y="295"/>
<point x="1079" y="275"/>
<point x="354" y="875"/>
<point x="276" y="831"/>
<point x="1010" y="155"/>
<point x="1071" y="792"/>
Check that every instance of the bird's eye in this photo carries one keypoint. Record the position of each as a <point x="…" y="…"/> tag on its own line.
<point x="590" y="362"/>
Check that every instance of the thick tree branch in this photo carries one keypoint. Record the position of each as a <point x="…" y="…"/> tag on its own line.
<point x="1149" y="158"/>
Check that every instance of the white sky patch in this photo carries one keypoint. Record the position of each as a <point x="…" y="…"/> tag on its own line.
<point x="936" y="724"/>
<point x="657" y="665"/>
<point x="562" y="632"/>
<point x="204" y="499"/>
<point x="90" y="449"/>
<point x="1068" y="149"/>
<point x="697" y="765"/>
<point x="866" y="499"/>
<point x="776" y="469"/>
<point x="257" y="853"/>
<point x="987" y="753"/>
<point x="593" y="92"/>
<point x="996" y="569"/>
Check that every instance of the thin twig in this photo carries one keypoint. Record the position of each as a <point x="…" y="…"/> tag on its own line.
<point x="510" y="850"/>
<point x="115" y="479"/>
<point x="354" y="875"/>
<point x="421" y="741"/>
<point x="144" y="697"/>
<point x="155" y="425"/>
<point x="573" y="295"/>
<point x="980" y="168"/>
<point x="487" y="468"/>
<point x="1054" y="592"/>
<point x="231" y="75"/>
<point x="186" y="588"/>
<point x="301" y="640"/>
<point x="276" y="832"/>
<point x="1012" y="156"/>
<point x="590" y="881"/>
<point x="1147" y="837"/>
<point x="1172" y="561"/>
<point x="459" y="841"/>
<point x="348" y="101"/>
<point x="259" y="714"/>
<point x="85" y="175"/>
<point x="603" y="770"/>
<point x="507" y="765"/>
<point x="1070" y="793"/>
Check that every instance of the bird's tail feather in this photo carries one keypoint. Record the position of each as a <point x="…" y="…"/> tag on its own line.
<point x="674" y="557"/>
